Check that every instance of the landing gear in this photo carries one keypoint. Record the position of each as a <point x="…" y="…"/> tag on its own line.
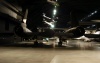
<point x="60" y="42"/>
<point x="36" y="43"/>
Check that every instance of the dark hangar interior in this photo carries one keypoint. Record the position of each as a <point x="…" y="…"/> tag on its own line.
<point x="49" y="31"/>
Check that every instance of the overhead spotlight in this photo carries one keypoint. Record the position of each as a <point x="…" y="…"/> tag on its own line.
<point x="92" y="13"/>
<point x="54" y="12"/>
<point x="88" y="16"/>
<point x="95" y="11"/>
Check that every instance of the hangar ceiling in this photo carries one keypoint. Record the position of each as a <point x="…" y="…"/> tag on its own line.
<point x="81" y="8"/>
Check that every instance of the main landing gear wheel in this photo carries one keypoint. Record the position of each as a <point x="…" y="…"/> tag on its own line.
<point x="59" y="44"/>
<point x="35" y="44"/>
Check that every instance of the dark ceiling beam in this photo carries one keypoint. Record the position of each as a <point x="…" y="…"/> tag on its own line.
<point x="9" y="6"/>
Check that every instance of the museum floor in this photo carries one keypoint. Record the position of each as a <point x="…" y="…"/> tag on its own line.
<point x="28" y="54"/>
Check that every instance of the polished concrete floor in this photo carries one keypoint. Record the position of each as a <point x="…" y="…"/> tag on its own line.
<point x="11" y="54"/>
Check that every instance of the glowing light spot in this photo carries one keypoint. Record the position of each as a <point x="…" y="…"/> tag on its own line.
<point x="54" y="12"/>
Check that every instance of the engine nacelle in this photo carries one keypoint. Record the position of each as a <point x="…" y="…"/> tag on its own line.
<point x="76" y="32"/>
<point x="71" y="33"/>
<point x="20" y="32"/>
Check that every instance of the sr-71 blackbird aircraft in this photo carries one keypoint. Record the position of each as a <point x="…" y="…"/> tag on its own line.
<point x="24" y="32"/>
<point x="75" y="32"/>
